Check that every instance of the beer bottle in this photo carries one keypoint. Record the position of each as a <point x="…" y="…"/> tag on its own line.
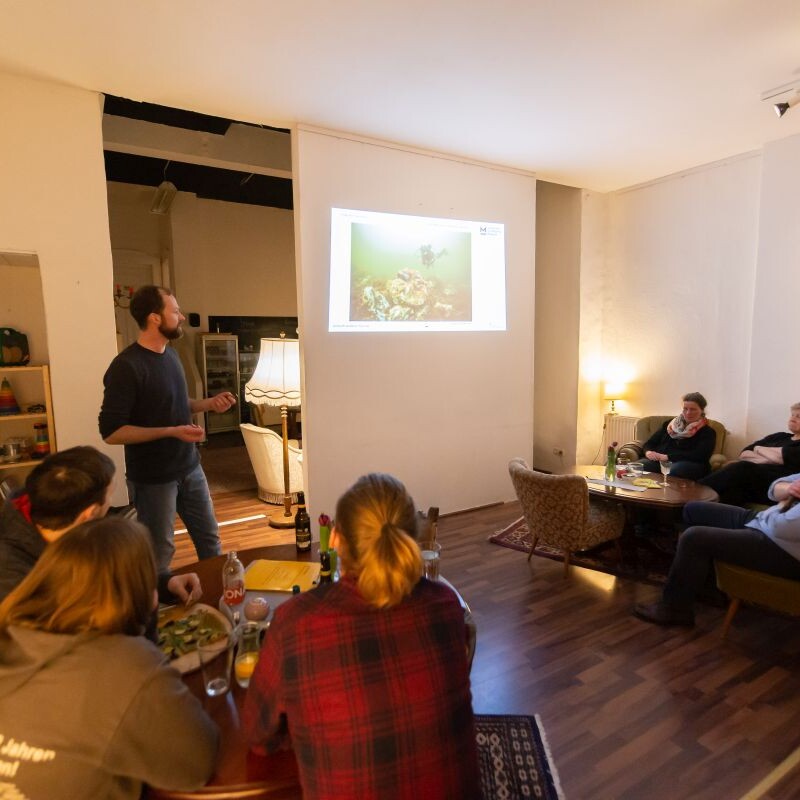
<point x="302" y="526"/>
<point x="325" y="567"/>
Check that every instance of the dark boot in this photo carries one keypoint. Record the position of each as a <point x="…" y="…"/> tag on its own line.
<point x="662" y="614"/>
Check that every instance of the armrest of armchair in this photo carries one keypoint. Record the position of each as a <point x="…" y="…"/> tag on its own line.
<point x="631" y="450"/>
<point x="717" y="460"/>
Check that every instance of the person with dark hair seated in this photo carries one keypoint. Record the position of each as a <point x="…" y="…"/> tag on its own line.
<point x="88" y="707"/>
<point x="66" y="489"/>
<point x="687" y="441"/>
<point x="767" y="541"/>
<point x="760" y="463"/>
<point x="369" y="676"/>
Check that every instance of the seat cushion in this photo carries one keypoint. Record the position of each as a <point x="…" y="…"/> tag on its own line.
<point x="751" y="586"/>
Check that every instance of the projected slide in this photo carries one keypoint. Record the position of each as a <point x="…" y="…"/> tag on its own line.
<point x="406" y="273"/>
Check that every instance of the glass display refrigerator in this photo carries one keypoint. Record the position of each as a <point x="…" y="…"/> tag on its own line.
<point x="219" y="365"/>
<point x="250" y="331"/>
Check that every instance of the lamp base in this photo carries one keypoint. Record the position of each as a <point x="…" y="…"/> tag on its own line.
<point x="280" y="520"/>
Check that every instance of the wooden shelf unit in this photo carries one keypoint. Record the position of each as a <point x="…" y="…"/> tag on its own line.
<point x="31" y="386"/>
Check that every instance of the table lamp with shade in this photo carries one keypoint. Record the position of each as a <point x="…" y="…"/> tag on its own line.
<point x="613" y="391"/>
<point x="276" y="382"/>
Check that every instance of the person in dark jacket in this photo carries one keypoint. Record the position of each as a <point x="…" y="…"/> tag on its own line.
<point x="66" y="489"/>
<point x="767" y="541"/>
<point x="748" y="479"/>
<point x="146" y="408"/>
<point x="687" y="441"/>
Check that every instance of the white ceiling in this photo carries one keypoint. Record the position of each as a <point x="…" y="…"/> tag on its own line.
<point x="601" y="94"/>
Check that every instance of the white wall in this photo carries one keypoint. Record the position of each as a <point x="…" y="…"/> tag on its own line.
<point x="444" y="412"/>
<point x="593" y="291"/>
<point x="681" y="275"/>
<point x="53" y="203"/>
<point x="557" y="325"/>
<point x="132" y="225"/>
<point x="774" y="378"/>
<point x="232" y="259"/>
<point x="22" y="306"/>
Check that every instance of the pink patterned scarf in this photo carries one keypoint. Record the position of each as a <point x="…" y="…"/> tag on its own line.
<point x="679" y="428"/>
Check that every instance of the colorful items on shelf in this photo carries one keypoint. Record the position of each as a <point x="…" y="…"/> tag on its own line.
<point x="8" y="403"/>
<point x="41" y="445"/>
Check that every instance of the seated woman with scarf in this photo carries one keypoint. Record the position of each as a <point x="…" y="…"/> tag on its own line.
<point x="687" y="441"/>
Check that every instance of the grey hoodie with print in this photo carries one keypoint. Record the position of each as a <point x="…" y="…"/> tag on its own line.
<point x="95" y="716"/>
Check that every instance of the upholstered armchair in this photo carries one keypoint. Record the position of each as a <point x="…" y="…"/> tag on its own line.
<point x="265" y="448"/>
<point x="750" y="586"/>
<point x="557" y="511"/>
<point x="647" y="426"/>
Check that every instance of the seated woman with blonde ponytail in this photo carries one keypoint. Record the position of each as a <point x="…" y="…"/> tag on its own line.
<point x="368" y="677"/>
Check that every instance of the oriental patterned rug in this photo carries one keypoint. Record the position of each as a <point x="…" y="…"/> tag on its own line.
<point x="647" y="559"/>
<point x="514" y="758"/>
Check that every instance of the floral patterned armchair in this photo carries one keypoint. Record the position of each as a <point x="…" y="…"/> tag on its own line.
<point x="557" y="511"/>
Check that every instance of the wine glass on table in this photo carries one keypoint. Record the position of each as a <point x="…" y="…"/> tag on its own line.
<point x="666" y="466"/>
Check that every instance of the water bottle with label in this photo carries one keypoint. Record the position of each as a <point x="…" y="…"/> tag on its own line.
<point x="233" y="586"/>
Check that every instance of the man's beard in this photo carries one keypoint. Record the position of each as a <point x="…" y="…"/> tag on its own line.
<point x="170" y="333"/>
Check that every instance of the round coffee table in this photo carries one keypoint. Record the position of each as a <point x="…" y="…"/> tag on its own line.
<point x="676" y="494"/>
<point x="668" y="500"/>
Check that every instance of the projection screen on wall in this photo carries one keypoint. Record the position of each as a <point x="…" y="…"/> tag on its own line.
<point x="394" y="272"/>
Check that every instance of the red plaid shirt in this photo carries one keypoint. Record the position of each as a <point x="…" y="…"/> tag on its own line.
<point x="377" y="702"/>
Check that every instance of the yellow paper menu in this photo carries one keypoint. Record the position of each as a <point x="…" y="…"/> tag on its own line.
<point x="279" y="576"/>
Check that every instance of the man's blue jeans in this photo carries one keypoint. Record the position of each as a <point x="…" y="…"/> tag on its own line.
<point x="156" y="506"/>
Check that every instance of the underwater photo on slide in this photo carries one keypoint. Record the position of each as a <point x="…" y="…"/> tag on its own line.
<point x="409" y="274"/>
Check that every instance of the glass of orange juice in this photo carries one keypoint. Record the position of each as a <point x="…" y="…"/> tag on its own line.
<point x="247" y="653"/>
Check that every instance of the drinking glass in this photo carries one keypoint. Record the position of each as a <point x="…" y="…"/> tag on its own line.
<point x="247" y="653"/>
<point x="430" y="559"/>
<point x="635" y="470"/>
<point x="666" y="466"/>
<point x="215" y="661"/>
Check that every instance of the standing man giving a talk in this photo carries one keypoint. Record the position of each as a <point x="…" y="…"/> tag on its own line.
<point x="147" y="408"/>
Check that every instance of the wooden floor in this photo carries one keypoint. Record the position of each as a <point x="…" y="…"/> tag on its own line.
<point x="631" y="710"/>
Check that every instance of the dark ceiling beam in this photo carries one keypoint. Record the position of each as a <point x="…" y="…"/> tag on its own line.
<point x="210" y="183"/>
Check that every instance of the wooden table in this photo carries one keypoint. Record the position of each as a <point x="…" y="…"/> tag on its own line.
<point x="674" y="496"/>
<point x="668" y="500"/>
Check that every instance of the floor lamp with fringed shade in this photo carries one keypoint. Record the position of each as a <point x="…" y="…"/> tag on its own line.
<point x="276" y="382"/>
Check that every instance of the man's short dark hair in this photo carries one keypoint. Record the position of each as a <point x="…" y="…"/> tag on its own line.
<point x="66" y="483"/>
<point x="147" y="300"/>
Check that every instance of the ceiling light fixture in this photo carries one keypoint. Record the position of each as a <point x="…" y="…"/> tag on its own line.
<point x="163" y="197"/>
<point x="782" y="108"/>
<point x="165" y="194"/>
